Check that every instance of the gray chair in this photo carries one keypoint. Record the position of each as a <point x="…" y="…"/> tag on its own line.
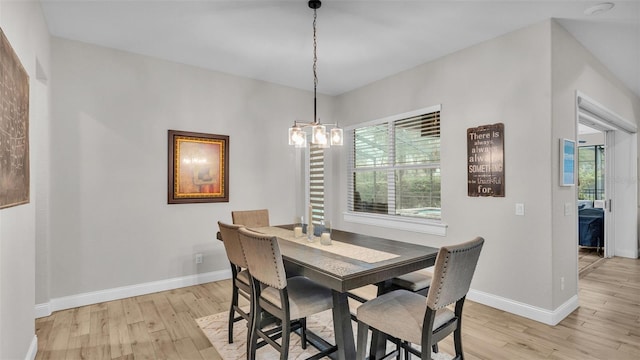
<point x="290" y="300"/>
<point x="417" y="281"/>
<point x="240" y="280"/>
<point x="414" y="319"/>
<point x="251" y="218"/>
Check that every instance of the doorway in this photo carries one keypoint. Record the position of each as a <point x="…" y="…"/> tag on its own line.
<point x="620" y="198"/>
<point x="591" y="166"/>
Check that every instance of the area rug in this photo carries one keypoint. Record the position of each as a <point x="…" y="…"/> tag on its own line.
<point x="215" y="328"/>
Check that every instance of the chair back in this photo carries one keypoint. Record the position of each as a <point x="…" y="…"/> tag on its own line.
<point x="264" y="259"/>
<point x="231" y="243"/>
<point x="453" y="272"/>
<point x="251" y="218"/>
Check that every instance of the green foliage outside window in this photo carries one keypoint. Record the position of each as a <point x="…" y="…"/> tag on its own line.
<point x="591" y="172"/>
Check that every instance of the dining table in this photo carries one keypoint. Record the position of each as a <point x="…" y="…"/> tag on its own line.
<point x="351" y="260"/>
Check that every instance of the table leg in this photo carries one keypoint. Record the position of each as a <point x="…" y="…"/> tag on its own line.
<point x="342" y="326"/>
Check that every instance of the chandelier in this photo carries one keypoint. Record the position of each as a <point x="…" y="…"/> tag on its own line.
<point x="298" y="133"/>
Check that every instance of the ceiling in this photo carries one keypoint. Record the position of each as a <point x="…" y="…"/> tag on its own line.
<point x="358" y="41"/>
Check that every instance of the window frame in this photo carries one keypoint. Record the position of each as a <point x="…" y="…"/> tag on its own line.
<point x="415" y="224"/>
<point x="599" y="181"/>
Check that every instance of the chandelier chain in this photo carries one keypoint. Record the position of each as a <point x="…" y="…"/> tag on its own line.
<point x="315" y="67"/>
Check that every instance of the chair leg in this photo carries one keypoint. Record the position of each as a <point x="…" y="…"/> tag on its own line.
<point x="286" y="335"/>
<point x="363" y="332"/>
<point x="230" y="328"/>
<point x="426" y="350"/>
<point x="252" y="344"/>
<point x="457" y="333"/>
<point x="234" y="303"/>
<point x="255" y="320"/>
<point x="457" y="342"/>
<point x="303" y="332"/>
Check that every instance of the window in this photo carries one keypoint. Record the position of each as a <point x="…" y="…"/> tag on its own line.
<point x="316" y="182"/>
<point x="591" y="172"/>
<point x="395" y="166"/>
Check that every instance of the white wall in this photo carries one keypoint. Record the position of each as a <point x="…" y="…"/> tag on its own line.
<point x="575" y="69"/>
<point x="112" y="226"/>
<point x="24" y="26"/>
<point x="506" y="80"/>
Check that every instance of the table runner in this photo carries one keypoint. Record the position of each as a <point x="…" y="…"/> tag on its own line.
<point x="353" y="251"/>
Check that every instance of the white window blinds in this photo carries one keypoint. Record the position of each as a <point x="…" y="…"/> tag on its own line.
<point x="316" y="182"/>
<point x="395" y="167"/>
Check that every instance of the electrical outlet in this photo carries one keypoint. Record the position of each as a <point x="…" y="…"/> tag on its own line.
<point x="198" y="258"/>
<point x="562" y="283"/>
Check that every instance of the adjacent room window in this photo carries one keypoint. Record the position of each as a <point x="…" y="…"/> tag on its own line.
<point x="395" y="166"/>
<point x="591" y="172"/>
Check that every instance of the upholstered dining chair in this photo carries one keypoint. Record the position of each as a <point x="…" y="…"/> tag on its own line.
<point x="251" y="218"/>
<point x="414" y="319"/>
<point x="240" y="280"/>
<point x="417" y="281"/>
<point x="284" y="298"/>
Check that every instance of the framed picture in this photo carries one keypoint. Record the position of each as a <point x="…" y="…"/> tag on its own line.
<point x="14" y="128"/>
<point x="567" y="162"/>
<point x="198" y="167"/>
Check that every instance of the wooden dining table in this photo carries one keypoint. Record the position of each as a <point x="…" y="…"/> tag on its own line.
<point x="366" y="260"/>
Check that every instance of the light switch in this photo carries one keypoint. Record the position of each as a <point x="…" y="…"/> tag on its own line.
<point x="520" y="209"/>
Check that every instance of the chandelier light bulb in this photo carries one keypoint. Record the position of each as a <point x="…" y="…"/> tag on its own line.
<point x="297" y="137"/>
<point x="319" y="135"/>
<point x="301" y="141"/>
<point x="336" y="136"/>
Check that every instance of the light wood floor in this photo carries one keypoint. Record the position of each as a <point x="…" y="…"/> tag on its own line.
<point x="587" y="257"/>
<point x="162" y="326"/>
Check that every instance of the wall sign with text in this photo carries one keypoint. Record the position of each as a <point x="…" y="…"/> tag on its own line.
<point x="485" y="160"/>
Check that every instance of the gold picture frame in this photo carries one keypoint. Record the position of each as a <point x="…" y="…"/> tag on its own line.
<point x="198" y="167"/>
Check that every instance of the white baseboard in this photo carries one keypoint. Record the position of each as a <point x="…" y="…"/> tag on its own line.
<point x="549" y="317"/>
<point x="33" y="349"/>
<point x="94" y="297"/>
<point x="43" y="310"/>
<point x="627" y="253"/>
